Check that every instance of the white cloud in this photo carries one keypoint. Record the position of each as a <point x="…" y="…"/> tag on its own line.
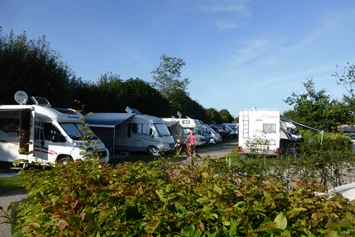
<point x="252" y="50"/>
<point x="235" y="12"/>
<point x="234" y="6"/>
<point x="309" y="73"/>
<point x="328" y="25"/>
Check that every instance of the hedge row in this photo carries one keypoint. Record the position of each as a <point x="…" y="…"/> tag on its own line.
<point x="164" y="198"/>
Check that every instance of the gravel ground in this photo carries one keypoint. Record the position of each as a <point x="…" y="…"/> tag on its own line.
<point x="5" y="200"/>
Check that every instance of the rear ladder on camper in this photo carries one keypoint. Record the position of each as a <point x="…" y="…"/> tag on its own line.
<point x="245" y="121"/>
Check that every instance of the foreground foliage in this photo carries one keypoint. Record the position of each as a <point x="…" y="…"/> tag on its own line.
<point x="164" y="198"/>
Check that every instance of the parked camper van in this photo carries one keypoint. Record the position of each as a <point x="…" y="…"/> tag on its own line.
<point x="48" y="135"/>
<point x="210" y="134"/>
<point x="181" y="127"/>
<point x="132" y="132"/>
<point x="232" y="129"/>
<point x="260" y="133"/>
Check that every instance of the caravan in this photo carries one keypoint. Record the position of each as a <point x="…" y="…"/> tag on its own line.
<point x="132" y="132"/>
<point x="260" y="132"/>
<point x="41" y="134"/>
<point x="181" y="127"/>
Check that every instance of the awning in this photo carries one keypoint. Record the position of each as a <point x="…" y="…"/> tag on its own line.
<point x="108" y="120"/>
<point x="284" y="118"/>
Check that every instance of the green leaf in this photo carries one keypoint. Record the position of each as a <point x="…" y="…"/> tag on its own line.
<point x="233" y="227"/>
<point x="205" y="175"/>
<point x="203" y="200"/>
<point x="73" y="220"/>
<point x="281" y="221"/>
<point x="169" y="187"/>
<point x="217" y="189"/>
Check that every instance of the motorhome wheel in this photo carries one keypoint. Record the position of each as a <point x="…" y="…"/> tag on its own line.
<point x="64" y="160"/>
<point x="153" y="151"/>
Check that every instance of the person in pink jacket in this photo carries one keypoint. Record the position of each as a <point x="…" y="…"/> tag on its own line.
<point x="192" y="142"/>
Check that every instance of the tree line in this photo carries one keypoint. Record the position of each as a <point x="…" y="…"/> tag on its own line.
<point x="32" y="66"/>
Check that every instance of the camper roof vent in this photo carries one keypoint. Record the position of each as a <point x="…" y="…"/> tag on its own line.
<point x="40" y="101"/>
<point x="21" y="97"/>
<point x="134" y="111"/>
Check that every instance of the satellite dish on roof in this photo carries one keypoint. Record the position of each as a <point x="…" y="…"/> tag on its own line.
<point x="21" y="97"/>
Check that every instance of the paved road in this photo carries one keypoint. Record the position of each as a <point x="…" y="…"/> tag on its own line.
<point x="218" y="150"/>
<point x="5" y="200"/>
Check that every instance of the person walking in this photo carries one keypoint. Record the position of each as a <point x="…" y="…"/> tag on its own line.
<point x="192" y="143"/>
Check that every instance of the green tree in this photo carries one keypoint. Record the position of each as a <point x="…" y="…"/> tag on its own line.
<point x="138" y="94"/>
<point x="226" y="117"/>
<point x="316" y="108"/>
<point x="32" y="66"/>
<point x="347" y="79"/>
<point x="181" y="101"/>
<point x="112" y="94"/>
<point x="213" y="116"/>
<point x="167" y="76"/>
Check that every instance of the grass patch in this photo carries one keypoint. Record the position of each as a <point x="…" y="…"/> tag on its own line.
<point x="10" y="183"/>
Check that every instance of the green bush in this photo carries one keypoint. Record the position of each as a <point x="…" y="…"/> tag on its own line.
<point x="164" y="198"/>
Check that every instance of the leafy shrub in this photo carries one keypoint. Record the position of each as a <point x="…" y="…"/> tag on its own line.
<point x="164" y="198"/>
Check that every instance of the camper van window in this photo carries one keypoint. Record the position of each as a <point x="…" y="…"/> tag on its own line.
<point x="269" y="128"/>
<point x="9" y="125"/>
<point x="75" y="131"/>
<point x="162" y="129"/>
<point x="138" y="128"/>
<point x="50" y="131"/>
<point x="38" y="130"/>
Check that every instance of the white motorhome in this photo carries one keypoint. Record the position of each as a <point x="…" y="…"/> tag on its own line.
<point x="132" y="132"/>
<point x="210" y="135"/>
<point x="181" y="127"/>
<point x="41" y="134"/>
<point x="260" y="132"/>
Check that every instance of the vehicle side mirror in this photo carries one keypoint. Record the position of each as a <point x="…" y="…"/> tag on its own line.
<point x="57" y="137"/>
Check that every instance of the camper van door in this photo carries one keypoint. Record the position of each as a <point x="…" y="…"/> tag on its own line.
<point x="128" y="137"/>
<point x="47" y="139"/>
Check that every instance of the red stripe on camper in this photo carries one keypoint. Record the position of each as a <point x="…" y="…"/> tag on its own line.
<point x="13" y="143"/>
<point x="44" y="151"/>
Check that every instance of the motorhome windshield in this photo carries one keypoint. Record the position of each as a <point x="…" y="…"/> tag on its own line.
<point x="162" y="129"/>
<point x="75" y="131"/>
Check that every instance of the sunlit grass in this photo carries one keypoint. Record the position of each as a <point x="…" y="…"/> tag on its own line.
<point x="9" y="183"/>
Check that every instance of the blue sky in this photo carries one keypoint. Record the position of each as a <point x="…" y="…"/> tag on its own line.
<point x="238" y="53"/>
